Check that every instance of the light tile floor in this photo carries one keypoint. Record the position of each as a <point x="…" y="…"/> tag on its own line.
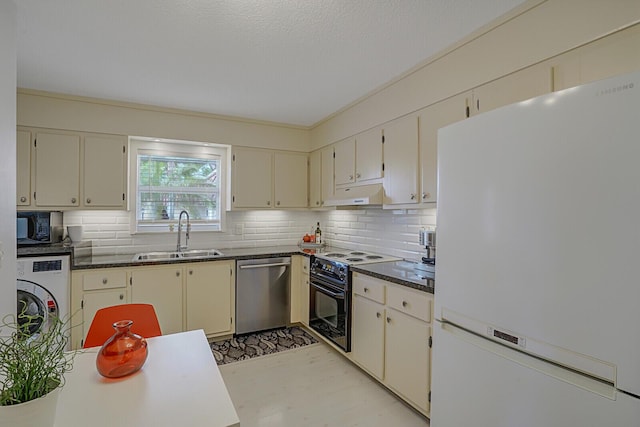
<point x="312" y="386"/>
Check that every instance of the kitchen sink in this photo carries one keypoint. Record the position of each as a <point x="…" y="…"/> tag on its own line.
<point x="175" y="255"/>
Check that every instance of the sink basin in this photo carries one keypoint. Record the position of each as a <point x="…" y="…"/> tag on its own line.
<point x="175" y="255"/>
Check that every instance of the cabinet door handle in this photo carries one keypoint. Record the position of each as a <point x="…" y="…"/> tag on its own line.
<point x="413" y="196"/>
<point x="268" y="203"/>
<point x="23" y="199"/>
<point x="378" y="315"/>
<point x="317" y="202"/>
<point x="104" y="281"/>
<point x="388" y="319"/>
<point x="121" y="297"/>
<point x="88" y="200"/>
<point x="358" y="175"/>
<point x="278" y="203"/>
<point x="366" y="289"/>
<point x="73" y="200"/>
<point x="350" y="177"/>
<point x="426" y="195"/>
<point x="190" y="272"/>
<point x="467" y="111"/>
<point x="177" y="274"/>
<point x="405" y="304"/>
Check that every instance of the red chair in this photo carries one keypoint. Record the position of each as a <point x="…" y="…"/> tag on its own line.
<point x="145" y="322"/>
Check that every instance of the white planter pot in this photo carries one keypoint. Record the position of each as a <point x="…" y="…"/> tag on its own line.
<point x="39" y="412"/>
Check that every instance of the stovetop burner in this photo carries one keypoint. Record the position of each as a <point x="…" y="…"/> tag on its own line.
<point x="354" y="257"/>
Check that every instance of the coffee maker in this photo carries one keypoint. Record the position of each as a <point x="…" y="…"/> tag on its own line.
<point x="428" y="240"/>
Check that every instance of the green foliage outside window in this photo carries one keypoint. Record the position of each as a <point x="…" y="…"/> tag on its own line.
<point x="170" y="184"/>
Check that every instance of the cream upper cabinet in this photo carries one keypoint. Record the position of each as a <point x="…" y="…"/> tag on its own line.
<point x="57" y="170"/>
<point x="328" y="183"/>
<point x="268" y="179"/>
<point x="23" y="168"/>
<point x="210" y="296"/>
<point x="359" y="159"/>
<point x="104" y="156"/>
<point x="610" y="56"/>
<point x="430" y="120"/>
<point x="315" y="179"/>
<point x="71" y="170"/>
<point x="162" y="287"/>
<point x="401" y="161"/>
<point x="515" y="87"/>
<point x="290" y="180"/>
<point x="252" y="171"/>
<point x="345" y="161"/>
<point x="369" y="155"/>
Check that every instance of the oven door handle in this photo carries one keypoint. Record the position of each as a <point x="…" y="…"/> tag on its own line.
<point x="339" y="295"/>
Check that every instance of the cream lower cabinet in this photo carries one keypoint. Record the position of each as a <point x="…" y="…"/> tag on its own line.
<point x="299" y="291"/>
<point x="210" y="297"/>
<point x="92" y="290"/>
<point x="162" y="287"/>
<point x="367" y="342"/>
<point x="391" y="337"/>
<point x="185" y="296"/>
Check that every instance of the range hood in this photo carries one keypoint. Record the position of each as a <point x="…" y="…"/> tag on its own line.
<point x="361" y="195"/>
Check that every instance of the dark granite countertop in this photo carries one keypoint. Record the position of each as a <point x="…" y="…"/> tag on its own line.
<point x="45" y="250"/>
<point x="126" y="260"/>
<point x="400" y="272"/>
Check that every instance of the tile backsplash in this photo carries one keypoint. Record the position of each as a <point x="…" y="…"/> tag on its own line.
<point x="393" y="232"/>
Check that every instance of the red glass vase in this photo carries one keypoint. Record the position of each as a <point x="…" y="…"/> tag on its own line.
<point x="122" y="354"/>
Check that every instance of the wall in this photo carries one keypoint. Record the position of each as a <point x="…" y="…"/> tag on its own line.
<point x="543" y="31"/>
<point x="394" y="232"/>
<point x="47" y="110"/>
<point x="8" y="158"/>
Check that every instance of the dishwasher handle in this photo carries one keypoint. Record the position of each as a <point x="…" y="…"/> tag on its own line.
<point x="275" y="264"/>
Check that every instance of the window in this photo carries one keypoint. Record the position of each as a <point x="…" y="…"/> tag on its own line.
<point x="172" y="176"/>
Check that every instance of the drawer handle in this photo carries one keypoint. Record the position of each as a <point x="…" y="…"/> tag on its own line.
<point x="405" y="304"/>
<point x="121" y="297"/>
<point x="104" y="281"/>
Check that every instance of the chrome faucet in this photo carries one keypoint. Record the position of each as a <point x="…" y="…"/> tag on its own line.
<point x="186" y="240"/>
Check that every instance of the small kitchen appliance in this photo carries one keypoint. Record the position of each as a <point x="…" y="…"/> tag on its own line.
<point x="428" y="240"/>
<point x="35" y="228"/>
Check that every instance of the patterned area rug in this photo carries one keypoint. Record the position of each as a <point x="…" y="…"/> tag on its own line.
<point x="254" y="345"/>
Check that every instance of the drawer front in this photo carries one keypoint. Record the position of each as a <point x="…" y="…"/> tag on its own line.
<point x="104" y="280"/>
<point x="409" y="301"/>
<point x="369" y="287"/>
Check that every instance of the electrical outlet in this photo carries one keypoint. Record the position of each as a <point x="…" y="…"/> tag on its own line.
<point x="239" y="229"/>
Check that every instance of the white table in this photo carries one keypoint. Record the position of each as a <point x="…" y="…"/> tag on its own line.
<point x="179" y="385"/>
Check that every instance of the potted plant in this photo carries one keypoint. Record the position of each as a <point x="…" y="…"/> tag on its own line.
<point x="32" y="368"/>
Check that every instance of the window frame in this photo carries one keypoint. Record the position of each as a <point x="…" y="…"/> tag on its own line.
<point x="177" y="148"/>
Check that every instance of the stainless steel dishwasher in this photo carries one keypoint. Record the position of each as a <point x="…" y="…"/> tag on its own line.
<point x="262" y="294"/>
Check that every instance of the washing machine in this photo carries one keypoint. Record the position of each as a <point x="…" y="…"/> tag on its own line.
<point x="43" y="289"/>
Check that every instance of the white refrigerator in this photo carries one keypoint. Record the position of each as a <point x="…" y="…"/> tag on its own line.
<point x="537" y="296"/>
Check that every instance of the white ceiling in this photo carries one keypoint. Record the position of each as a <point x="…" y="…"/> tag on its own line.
<point x="287" y="61"/>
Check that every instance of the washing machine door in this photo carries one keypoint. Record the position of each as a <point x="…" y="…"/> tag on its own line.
<point x="36" y="307"/>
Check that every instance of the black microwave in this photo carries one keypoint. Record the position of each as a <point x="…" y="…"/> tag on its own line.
<point x="34" y="228"/>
